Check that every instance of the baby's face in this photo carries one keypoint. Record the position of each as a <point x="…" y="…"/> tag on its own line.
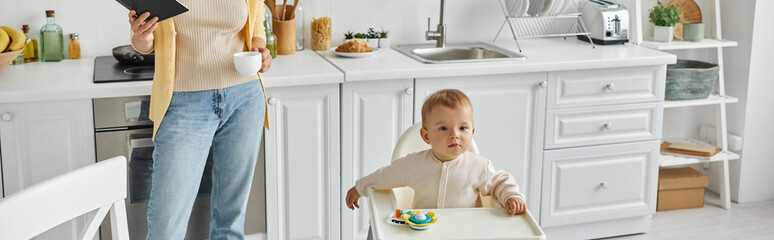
<point x="449" y="131"/>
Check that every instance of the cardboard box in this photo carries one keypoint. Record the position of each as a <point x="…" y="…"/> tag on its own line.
<point x="680" y="188"/>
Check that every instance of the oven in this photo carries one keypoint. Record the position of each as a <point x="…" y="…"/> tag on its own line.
<point x="122" y="127"/>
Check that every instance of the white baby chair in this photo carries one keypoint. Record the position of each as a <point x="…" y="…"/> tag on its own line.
<point x="100" y="186"/>
<point x="383" y="203"/>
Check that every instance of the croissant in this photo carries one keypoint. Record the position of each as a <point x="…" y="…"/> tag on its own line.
<point x="354" y="46"/>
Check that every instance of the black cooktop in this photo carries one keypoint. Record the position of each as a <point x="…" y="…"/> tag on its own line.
<point x="107" y="69"/>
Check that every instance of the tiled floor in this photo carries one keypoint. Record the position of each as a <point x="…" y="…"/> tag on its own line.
<point x="743" y="221"/>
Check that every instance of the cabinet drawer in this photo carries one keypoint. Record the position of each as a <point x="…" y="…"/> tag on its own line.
<point x="599" y="183"/>
<point x="606" y="86"/>
<point x="591" y="126"/>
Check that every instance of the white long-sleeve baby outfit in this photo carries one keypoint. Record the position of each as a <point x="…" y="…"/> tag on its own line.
<point x="452" y="184"/>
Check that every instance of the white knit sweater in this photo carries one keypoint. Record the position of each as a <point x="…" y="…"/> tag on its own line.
<point x="208" y="35"/>
<point x="451" y="184"/>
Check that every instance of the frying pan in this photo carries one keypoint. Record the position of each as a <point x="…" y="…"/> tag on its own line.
<point x="128" y="56"/>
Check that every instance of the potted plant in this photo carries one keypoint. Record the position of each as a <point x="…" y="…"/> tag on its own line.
<point x="349" y="35"/>
<point x="384" y="42"/>
<point x="360" y="35"/>
<point x="664" y="18"/>
<point x="372" y="37"/>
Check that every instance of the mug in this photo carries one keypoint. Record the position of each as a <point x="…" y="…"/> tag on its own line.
<point x="248" y="63"/>
<point x="693" y="31"/>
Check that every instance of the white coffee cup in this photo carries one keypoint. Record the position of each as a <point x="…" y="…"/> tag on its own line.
<point x="247" y="63"/>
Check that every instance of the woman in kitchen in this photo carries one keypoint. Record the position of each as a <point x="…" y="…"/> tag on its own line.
<point x="199" y="101"/>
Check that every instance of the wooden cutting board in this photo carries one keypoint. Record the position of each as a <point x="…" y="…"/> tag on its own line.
<point x="689" y="12"/>
<point x="687" y="149"/>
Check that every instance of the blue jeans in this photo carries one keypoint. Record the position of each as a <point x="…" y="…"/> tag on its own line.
<point x="230" y="120"/>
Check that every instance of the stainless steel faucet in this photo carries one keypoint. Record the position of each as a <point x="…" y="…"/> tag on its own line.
<point x="439" y="35"/>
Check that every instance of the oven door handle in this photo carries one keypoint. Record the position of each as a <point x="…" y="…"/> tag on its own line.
<point x="141" y="142"/>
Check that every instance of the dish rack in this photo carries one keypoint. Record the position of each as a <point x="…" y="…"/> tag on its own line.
<point x="568" y="23"/>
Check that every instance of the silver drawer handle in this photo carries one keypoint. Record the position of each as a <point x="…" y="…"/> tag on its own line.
<point x="603" y="185"/>
<point x="409" y="91"/>
<point x="610" y="86"/>
<point x="543" y="84"/>
<point x="7" y="117"/>
<point x="607" y="126"/>
<point x="272" y="101"/>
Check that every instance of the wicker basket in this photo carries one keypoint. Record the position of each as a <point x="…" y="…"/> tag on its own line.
<point x="688" y="79"/>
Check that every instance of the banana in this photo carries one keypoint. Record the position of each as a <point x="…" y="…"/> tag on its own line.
<point x="4" y="40"/>
<point x="17" y="38"/>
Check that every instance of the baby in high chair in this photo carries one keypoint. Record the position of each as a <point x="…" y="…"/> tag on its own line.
<point x="447" y="175"/>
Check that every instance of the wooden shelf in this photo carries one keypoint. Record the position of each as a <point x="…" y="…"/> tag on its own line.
<point x="671" y="161"/>
<point x="668" y="160"/>
<point x="712" y="99"/>
<point x="679" y="44"/>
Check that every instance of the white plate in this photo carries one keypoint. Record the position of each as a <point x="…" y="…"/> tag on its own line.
<point x="548" y="7"/>
<point x="355" y="55"/>
<point x="517" y="8"/>
<point x="524" y="8"/>
<point x="536" y="7"/>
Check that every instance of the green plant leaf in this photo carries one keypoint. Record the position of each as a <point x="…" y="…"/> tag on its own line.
<point x="667" y="16"/>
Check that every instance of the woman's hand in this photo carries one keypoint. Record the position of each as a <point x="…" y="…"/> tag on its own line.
<point x="142" y="31"/>
<point x="266" y="57"/>
<point x="351" y="199"/>
<point x="515" y="206"/>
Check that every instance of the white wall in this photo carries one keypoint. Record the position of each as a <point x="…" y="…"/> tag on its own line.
<point x="737" y="59"/>
<point x="754" y="112"/>
<point x="407" y="19"/>
<point x="101" y="24"/>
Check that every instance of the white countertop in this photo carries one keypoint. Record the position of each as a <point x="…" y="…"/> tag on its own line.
<point x="554" y="54"/>
<point x="73" y="79"/>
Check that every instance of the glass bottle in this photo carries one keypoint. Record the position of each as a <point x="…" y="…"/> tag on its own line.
<point x="299" y="15"/>
<point x="51" y="40"/>
<point x="271" y="39"/>
<point x="31" y="47"/>
<point x="75" y="47"/>
<point x="18" y="60"/>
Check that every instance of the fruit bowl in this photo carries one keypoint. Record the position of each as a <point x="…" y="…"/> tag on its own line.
<point x="8" y="57"/>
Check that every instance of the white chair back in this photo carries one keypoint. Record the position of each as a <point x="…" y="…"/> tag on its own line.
<point x="43" y="206"/>
<point x="410" y="142"/>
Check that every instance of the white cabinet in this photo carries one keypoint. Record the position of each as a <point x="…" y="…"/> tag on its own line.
<point x="603" y="125"/>
<point x="302" y="163"/>
<point x="595" y="87"/>
<point x="601" y="151"/>
<point x="375" y="114"/>
<point x="509" y="112"/>
<point x="598" y="183"/>
<point x="41" y="140"/>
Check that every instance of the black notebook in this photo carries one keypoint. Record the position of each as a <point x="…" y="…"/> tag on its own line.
<point x="158" y="8"/>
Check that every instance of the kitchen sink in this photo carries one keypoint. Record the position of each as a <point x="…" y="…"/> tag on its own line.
<point x="459" y="53"/>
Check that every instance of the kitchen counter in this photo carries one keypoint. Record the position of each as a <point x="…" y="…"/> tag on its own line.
<point x="547" y="54"/>
<point x="72" y="79"/>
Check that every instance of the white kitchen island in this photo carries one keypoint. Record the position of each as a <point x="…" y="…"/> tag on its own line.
<point x="334" y="121"/>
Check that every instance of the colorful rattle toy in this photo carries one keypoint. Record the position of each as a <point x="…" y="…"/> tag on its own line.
<point x="418" y="220"/>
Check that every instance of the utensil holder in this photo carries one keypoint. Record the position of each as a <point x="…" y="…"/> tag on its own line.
<point x="286" y="36"/>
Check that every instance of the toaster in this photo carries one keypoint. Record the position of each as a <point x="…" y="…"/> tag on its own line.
<point x="606" y="21"/>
